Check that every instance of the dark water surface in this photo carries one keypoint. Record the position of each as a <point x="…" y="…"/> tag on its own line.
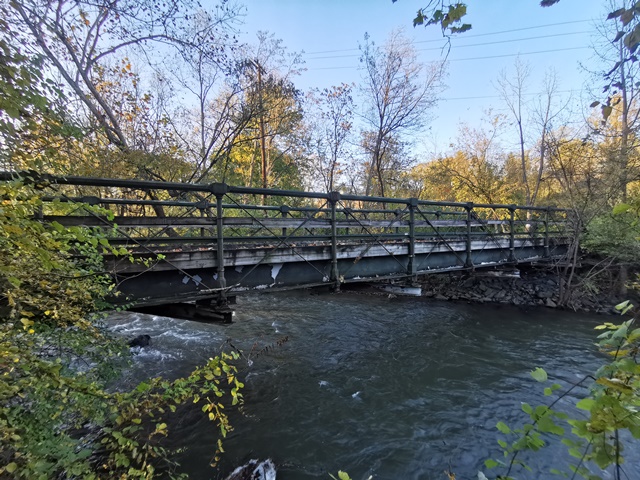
<point x="397" y="388"/>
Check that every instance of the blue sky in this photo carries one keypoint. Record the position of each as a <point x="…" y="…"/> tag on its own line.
<point x="329" y="32"/>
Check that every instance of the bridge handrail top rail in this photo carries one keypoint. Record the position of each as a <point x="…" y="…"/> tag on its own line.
<point x="200" y="187"/>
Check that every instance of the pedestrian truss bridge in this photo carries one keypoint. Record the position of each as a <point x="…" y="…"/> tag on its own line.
<point x="187" y="241"/>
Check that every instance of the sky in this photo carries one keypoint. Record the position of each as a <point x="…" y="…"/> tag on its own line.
<point x="328" y="32"/>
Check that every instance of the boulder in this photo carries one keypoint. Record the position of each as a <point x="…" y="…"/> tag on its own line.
<point x="254" y="470"/>
<point x="140" y="341"/>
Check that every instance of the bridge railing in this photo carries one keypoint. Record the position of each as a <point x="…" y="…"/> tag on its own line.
<point x="147" y="216"/>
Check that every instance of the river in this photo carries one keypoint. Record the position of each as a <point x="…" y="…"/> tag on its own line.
<point x="397" y="388"/>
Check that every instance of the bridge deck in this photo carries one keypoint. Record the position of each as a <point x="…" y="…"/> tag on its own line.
<point x="190" y="241"/>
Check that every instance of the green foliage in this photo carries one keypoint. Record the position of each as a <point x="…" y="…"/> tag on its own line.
<point x="20" y="85"/>
<point x="27" y="98"/>
<point x="341" y="476"/>
<point x="614" y="235"/>
<point x="611" y="407"/>
<point x="56" y="359"/>
<point x="344" y="476"/>
<point x="448" y="17"/>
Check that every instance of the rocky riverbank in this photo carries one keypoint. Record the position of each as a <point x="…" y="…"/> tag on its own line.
<point x="524" y="287"/>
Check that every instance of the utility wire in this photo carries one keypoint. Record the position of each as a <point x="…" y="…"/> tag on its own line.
<point x="518" y="54"/>
<point x="475" y="58"/>
<point x="499" y="96"/>
<point x="497" y="42"/>
<point x="465" y="36"/>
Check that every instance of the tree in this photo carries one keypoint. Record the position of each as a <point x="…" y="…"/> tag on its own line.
<point x="332" y="109"/>
<point x="274" y="101"/>
<point x="474" y="171"/>
<point x="545" y="112"/>
<point x="79" y="37"/>
<point x="512" y="91"/>
<point x="29" y="102"/>
<point x="532" y="119"/>
<point x="621" y="112"/>
<point x="398" y="92"/>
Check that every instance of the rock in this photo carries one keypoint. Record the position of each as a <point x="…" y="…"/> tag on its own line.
<point x="550" y="303"/>
<point x="544" y="294"/>
<point x="500" y="295"/>
<point x="491" y="292"/>
<point x="140" y="341"/>
<point x="254" y="470"/>
<point x="439" y="296"/>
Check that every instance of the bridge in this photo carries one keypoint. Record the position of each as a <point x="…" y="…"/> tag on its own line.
<point x="184" y="242"/>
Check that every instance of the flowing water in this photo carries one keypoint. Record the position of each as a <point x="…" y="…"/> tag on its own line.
<point x="397" y="388"/>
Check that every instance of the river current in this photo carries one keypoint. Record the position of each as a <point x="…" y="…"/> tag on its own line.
<point x="394" y="387"/>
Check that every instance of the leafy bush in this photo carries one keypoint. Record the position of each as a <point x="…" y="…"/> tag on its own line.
<point x="614" y="235"/>
<point x="57" y="416"/>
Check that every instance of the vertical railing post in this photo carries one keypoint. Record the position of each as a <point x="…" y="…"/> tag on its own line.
<point x="547" y="253"/>
<point x="201" y="208"/>
<point x="412" y="267"/>
<point x="347" y="213"/>
<point x="333" y="199"/>
<point x="219" y="190"/>
<point x="469" y="261"/>
<point x="512" y="234"/>
<point x="284" y="210"/>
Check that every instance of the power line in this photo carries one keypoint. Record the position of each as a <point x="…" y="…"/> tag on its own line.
<point x="499" y="96"/>
<point x="465" y="36"/>
<point x="518" y="54"/>
<point x="497" y="42"/>
<point x="514" y="30"/>
<point x="477" y="58"/>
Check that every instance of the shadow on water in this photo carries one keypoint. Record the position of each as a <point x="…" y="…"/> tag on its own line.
<point x="401" y="388"/>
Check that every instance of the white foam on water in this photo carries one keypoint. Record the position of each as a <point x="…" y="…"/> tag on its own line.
<point x="156" y="355"/>
<point x="184" y="336"/>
